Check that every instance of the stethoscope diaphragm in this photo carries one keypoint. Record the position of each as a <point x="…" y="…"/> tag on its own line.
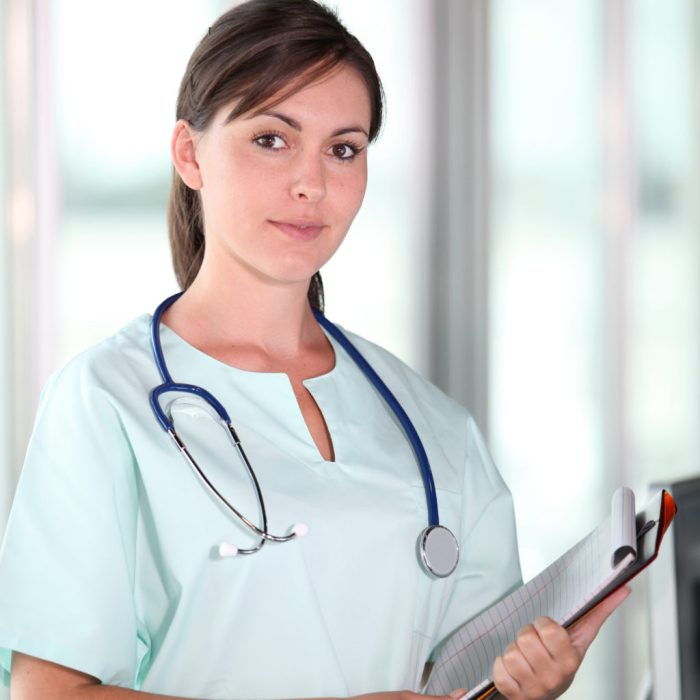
<point x="439" y="550"/>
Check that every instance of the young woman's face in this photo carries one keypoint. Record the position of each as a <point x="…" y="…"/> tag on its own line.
<point x="280" y="187"/>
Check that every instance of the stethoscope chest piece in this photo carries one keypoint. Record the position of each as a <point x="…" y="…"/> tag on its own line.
<point x="439" y="550"/>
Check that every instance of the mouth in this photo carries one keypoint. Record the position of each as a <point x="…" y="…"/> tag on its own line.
<point x="300" y="229"/>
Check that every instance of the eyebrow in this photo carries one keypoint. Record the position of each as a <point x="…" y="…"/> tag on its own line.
<point x="297" y="126"/>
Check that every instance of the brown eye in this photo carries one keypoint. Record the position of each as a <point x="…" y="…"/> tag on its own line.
<point x="344" y="151"/>
<point x="271" y="142"/>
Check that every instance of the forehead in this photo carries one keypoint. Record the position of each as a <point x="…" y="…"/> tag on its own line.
<point x="339" y="95"/>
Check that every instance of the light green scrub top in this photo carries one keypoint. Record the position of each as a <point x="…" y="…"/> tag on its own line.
<point x="110" y="565"/>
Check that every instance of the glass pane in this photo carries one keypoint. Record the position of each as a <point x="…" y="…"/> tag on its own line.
<point x="115" y="113"/>
<point x="545" y="266"/>
<point x="6" y="470"/>
<point x="378" y="280"/>
<point x="552" y="345"/>
<point x="546" y="276"/>
<point x="664" y="341"/>
<point x="663" y="333"/>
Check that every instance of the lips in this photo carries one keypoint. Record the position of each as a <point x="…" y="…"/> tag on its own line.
<point x="300" y="229"/>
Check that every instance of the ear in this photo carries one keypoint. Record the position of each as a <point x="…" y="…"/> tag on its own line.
<point x="184" y="154"/>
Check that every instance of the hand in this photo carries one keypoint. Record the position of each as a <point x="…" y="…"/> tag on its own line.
<point x="542" y="662"/>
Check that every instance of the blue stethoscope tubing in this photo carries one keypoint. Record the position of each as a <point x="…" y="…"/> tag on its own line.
<point x="395" y="406"/>
<point x="437" y="546"/>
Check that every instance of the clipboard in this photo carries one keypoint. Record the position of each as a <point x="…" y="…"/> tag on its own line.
<point x="474" y="646"/>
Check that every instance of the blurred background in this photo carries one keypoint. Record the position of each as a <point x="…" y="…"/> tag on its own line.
<point x="530" y="239"/>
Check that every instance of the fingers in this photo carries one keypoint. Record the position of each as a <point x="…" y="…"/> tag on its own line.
<point x="506" y="684"/>
<point x="586" y="629"/>
<point x="558" y="644"/>
<point x="540" y="663"/>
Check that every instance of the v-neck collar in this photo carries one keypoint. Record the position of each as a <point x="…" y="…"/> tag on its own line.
<point x="257" y="399"/>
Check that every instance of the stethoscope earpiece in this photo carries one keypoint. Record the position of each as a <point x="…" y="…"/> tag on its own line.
<point x="300" y="529"/>
<point x="227" y="550"/>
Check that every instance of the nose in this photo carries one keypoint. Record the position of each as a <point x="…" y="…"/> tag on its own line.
<point x="309" y="181"/>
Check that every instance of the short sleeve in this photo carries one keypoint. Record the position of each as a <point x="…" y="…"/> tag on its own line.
<point x="489" y="565"/>
<point x="66" y="572"/>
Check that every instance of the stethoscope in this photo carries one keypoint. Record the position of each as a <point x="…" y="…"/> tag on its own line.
<point x="437" y="546"/>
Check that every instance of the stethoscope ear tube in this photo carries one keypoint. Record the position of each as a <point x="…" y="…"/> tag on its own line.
<point x="397" y="409"/>
<point x="438" y="547"/>
<point x="155" y="337"/>
<point x="168" y="386"/>
<point x="299" y="530"/>
<point x="162" y="416"/>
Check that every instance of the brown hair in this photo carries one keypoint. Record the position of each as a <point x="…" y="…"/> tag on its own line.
<point x="258" y="50"/>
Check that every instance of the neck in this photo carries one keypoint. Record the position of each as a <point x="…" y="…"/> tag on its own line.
<point x="242" y="311"/>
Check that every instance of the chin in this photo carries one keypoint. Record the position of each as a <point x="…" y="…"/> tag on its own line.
<point x="291" y="278"/>
<point x="295" y="273"/>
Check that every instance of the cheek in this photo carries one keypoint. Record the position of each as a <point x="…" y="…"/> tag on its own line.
<point x="254" y="176"/>
<point x="351" y="191"/>
<point x="247" y="164"/>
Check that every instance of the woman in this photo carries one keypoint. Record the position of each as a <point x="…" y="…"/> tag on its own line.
<point x="114" y="577"/>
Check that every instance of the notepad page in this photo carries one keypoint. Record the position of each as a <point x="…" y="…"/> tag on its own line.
<point x="466" y="659"/>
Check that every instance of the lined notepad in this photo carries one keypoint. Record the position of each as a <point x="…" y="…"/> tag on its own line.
<point x="562" y="591"/>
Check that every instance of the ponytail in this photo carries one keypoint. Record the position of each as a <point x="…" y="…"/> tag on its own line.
<point x="186" y="231"/>
<point x="315" y="293"/>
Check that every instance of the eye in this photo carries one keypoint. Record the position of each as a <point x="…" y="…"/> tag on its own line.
<point x="345" y="151"/>
<point x="270" y="140"/>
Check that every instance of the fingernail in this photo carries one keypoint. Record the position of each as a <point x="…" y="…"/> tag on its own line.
<point x="459" y="694"/>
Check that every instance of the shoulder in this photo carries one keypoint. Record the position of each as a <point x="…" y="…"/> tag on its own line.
<point x="87" y="415"/>
<point x="94" y="394"/>
<point x="404" y="380"/>
<point x="450" y="435"/>
<point x="120" y="360"/>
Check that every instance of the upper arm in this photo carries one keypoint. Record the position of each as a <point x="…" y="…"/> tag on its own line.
<point x="489" y="565"/>
<point x="37" y="679"/>
<point x="65" y="579"/>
